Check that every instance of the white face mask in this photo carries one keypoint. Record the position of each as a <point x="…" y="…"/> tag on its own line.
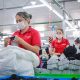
<point x="59" y="36"/>
<point x="22" y="25"/>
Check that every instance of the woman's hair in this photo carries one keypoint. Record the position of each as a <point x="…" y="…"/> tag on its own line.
<point x="77" y="40"/>
<point x="25" y="15"/>
<point x="60" y="30"/>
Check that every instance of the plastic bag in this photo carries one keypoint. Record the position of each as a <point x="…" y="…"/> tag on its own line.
<point x="15" y="60"/>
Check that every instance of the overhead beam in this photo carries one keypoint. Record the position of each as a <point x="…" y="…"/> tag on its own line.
<point x="66" y="1"/>
<point x="62" y="8"/>
<point x="40" y="23"/>
<point x="11" y="8"/>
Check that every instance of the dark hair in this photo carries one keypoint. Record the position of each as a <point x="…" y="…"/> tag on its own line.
<point x="77" y="40"/>
<point x="25" y="15"/>
<point x="60" y="30"/>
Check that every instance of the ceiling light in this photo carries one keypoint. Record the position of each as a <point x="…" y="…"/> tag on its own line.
<point x="68" y="23"/>
<point x="33" y="6"/>
<point x="78" y="0"/>
<point x="66" y="16"/>
<point x="79" y="23"/>
<point x="33" y="2"/>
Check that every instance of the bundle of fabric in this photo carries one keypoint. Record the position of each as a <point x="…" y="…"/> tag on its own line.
<point x="15" y="60"/>
<point x="73" y="57"/>
<point x="52" y="63"/>
<point x="74" y="64"/>
<point x="63" y="62"/>
<point x="58" y="62"/>
<point x="70" y="52"/>
<point x="77" y="56"/>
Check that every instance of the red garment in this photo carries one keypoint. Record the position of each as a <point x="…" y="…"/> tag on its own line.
<point x="60" y="46"/>
<point x="31" y="36"/>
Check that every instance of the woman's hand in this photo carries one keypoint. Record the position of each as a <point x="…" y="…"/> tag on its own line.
<point x="57" y="53"/>
<point x="18" y="39"/>
<point x="6" y="41"/>
<point x="26" y="45"/>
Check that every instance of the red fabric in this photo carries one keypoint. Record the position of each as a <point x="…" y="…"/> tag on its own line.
<point x="31" y="36"/>
<point x="60" y="46"/>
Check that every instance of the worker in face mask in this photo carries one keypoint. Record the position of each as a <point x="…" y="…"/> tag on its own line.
<point x="60" y="43"/>
<point x="23" y="21"/>
<point x="22" y="25"/>
<point x="26" y="37"/>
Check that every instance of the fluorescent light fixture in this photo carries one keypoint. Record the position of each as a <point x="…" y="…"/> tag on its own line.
<point x="79" y="23"/>
<point x="33" y="6"/>
<point x="78" y="0"/>
<point x="33" y="2"/>
<point x="68" y="23"/>
<point x="66" y="16"/>
<point x="53" y="10"/>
